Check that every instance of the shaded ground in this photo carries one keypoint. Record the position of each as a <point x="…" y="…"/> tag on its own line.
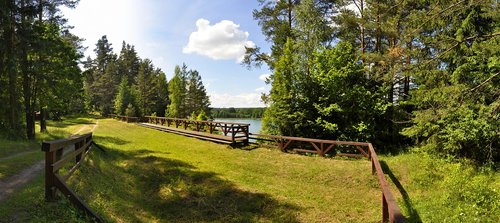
<point x="18" y="180"/>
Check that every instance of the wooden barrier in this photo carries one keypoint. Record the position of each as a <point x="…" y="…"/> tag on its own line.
<point x="125" y="118"/>
<point x="59" y="153"/>
<point x="390" y="209"/>
<point x="237" y="131"/>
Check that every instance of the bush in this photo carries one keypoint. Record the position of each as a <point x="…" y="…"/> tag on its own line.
<point x="131" y="111"/>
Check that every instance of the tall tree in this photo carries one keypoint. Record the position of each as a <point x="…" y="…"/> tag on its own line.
<point x="458" y="98"/>
<point x="102" y="77"/>
<point x="177" y="93"/>
<point x="129" y="62"/>
<point x="146" y="87"/>
<point x="196" y="100"/>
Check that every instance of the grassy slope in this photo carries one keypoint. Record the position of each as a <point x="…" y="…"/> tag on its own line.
<point x="152" y="176"/>
<point x="148" y="176"/>
<point x="28" y="203"/>
<point x="31" y="152"/>
<point x="429" y="189"/>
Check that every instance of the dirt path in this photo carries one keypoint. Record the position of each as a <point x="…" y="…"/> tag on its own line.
<point x="11" y="184"/>
<point x="18" y="154"/>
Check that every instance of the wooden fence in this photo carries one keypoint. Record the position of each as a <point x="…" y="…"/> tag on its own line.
<point x="61" y="153"/>
<point x="233" y="129"/>
<point x="125" y="118"/>
<point x="390" y="209"/>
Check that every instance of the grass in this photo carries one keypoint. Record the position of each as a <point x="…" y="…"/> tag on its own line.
<point x="151" y="176"/>
<point x="430" y="189"/>
<point x="17" y="155"/>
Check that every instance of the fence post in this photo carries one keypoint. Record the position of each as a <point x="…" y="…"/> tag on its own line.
<point x="50" y="158"/>
<point x="385" y="209"/>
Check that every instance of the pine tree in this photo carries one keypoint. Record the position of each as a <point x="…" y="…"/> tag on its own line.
<point x="196" y="100"/>
<point x="177" y="93"/>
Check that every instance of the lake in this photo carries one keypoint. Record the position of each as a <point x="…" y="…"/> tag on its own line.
<point x="255" y="124"/>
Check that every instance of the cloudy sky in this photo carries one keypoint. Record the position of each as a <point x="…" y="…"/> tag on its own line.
<point x="207" y="35"/>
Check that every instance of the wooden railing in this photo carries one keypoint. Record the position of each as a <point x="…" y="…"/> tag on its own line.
<point x="234" y="129"/>
<point x="61" y="153"/>
<point x="125" y="118"/>
<point x="390" y="209"/>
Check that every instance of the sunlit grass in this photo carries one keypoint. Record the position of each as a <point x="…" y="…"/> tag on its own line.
<point x="149" y="176"/>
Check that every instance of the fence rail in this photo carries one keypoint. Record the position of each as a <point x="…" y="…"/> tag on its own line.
<point x="233" y="129"/>
<point x="127" y="119"/>
<point x="60" y="153"/>
<point x="390" y="209"/>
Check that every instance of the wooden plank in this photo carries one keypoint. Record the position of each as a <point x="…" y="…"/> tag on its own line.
<point x="60" y="143"/>
<point x="195" y="134"/>
<point x="313" y="140"/>
<point x="57" y="165"/>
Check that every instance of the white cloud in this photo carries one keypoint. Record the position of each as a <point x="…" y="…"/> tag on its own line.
<point x="226" y="100"/>
<point x="260" y="89"/>
<point x="221" y="41"/>
<point x="264" y="77"/>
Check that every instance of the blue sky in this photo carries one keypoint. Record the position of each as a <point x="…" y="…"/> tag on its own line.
<point x="207" y="35"/>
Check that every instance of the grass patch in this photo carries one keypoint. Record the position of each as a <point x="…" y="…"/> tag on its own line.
<point x="151" y="176"/>
<point x="16" y="164"/>
<point x="438" y="190"/>
<point x="17" y="155"/>
<point x="29" y="205"/>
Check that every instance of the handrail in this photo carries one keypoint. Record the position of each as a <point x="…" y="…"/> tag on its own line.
<point x="232" y="128"/>
<point x="390" y="209"/>
<point x="125" y="118"/>
<point x="200" y="121"/>
<point x="57" y="154"/>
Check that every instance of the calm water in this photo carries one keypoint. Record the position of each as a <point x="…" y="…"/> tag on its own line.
<point x="255" y="124"/>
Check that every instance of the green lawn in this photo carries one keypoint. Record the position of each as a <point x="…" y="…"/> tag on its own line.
<point x="151" y="176"/>
<point x="17" y="155"/>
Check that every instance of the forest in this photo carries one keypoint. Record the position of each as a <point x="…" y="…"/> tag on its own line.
<point x="40" y="76"/>
<point x="400" y="74"/>
<point x="418" y="79"/>
<point x="237" y="112"/>
<point x="396" y="73"/>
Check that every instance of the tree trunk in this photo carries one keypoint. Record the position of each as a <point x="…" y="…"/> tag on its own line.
<point x="362" y="27"/>
<point x="14" y="118"/>
<point x="28" y="108"/>
<point x="43" y="120"/>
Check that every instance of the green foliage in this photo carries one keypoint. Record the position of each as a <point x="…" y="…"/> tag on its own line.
<point x="126" y="96"/>
<point x="131" y="111"/>
<point x="237" y="112"/>
<point x="202" y="116"/>
<point x="461" y="192"/>
<point x="457" y="99"/>
<point x="187" y="94"/>
<point x="349" y="103"/>
<point x="177" y="93"/>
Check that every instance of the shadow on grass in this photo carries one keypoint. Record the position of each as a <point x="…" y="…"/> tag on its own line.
<point x="413" y="214"/>
<point x="147" y="187"/>
<point x="68" y="122"/>
<point x="114" y="140"/>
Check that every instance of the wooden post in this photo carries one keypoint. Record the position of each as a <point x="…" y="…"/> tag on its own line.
<point x="50" y="158"/>
<point x="246" y="129"/>
<point x="385" y="209"/>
